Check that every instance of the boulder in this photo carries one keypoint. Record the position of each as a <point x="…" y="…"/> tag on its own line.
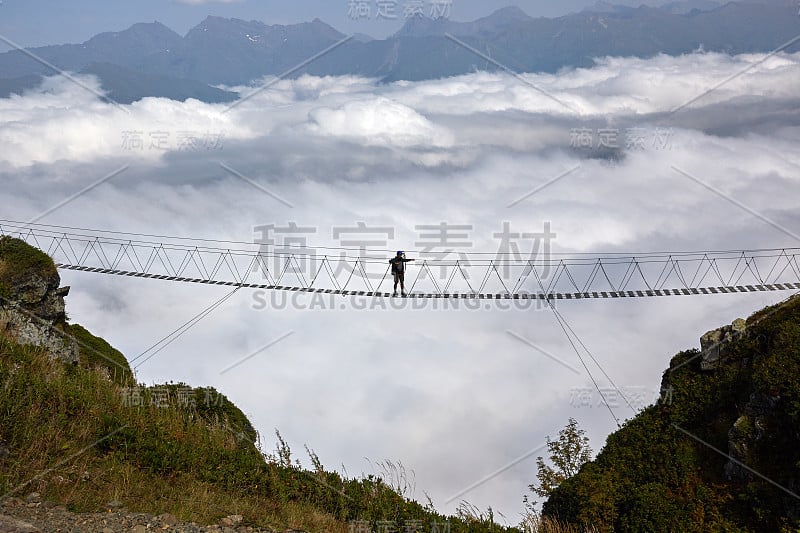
<point x="713" y="343"/>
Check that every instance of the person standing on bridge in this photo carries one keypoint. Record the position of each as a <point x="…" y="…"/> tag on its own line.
<point x="399" y="271"/>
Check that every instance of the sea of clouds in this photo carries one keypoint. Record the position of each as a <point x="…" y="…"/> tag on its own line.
<point x="697" y="152"/>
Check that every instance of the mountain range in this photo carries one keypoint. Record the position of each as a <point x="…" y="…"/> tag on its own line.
<point x="150" y="59"/>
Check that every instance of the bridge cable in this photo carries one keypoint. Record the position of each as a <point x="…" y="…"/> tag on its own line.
<point x="562" y="322"/>
<point x="182" y="329"/>
<point x="596" y="363"/>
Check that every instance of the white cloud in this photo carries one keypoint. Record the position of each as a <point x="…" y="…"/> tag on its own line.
<point x="448" y="393"/>
<point x="379" y="121"/>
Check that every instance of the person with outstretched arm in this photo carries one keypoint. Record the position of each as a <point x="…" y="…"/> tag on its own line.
<point x="399" y="270"/>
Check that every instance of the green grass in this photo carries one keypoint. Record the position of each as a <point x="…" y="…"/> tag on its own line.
<point x="95" y="445"/>
<point x="19" y="262"/>
<point x="95" y="352"/>
<point x="651" y="476"/>
<point x="171" y="448"/>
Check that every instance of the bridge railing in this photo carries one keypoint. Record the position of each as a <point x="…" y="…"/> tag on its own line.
<point x="346" y="271"/>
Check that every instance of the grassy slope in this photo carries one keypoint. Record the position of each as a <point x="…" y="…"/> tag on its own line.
<point x="88" y="434"/>
<point x="651" y="476"/>
<point x="157" y="459"/>
<point x="95" y="352"/>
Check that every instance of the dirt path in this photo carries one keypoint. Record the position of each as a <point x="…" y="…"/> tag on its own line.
<point x="35" y="516"/>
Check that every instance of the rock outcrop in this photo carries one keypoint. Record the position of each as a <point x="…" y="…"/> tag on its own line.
<point x="747" y="431"/>
<point x="754" y="420"/>
<point x="714" y="342"/>
<point x="32" y="308"/>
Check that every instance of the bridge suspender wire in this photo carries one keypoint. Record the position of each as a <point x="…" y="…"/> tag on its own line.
<point x="332" y="275"/>
<point x="562" y="322"/>
<point x="416" y="279"/>
<point x="383" y="278"/>
<point x="366" y="278"/>
<point x="319" y="271"/>
<point x="353" y="271"/>
<point x="427" y="268"/>
<point x="466" y="279"/>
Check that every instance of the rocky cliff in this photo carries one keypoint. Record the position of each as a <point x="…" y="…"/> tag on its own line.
<point x="32" y="309"/>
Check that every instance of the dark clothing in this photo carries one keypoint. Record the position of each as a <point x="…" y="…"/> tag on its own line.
<point x="399" y="264"/>
<point x="399" y="271"/>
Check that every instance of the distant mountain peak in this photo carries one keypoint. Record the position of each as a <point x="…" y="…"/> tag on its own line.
<point x="601" y="6"/>
<point x="143" y="38"/>
<point x="510" y="12"/>
<point x="154" y="28"/>
<point x="223" y="25"/>
<point x="155" y="24"/>
<point x="419" y="25"/>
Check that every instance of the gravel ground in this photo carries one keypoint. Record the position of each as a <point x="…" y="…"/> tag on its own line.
<point x="33" y="515"/>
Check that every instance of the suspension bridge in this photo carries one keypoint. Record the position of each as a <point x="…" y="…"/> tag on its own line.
<point x="362" y="272"/>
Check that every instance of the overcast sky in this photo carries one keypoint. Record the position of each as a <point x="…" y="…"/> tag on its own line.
<point x="452" y="395"/>
<point x="40" y="22"/>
